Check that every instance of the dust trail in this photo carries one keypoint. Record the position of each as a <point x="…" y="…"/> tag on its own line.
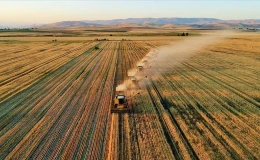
<point x="162" y="59"/>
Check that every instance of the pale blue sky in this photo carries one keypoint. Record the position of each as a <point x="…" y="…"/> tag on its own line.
<point x="43" y="11"/>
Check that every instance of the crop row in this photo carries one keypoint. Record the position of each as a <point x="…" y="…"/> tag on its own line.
<point x="190" y="92"/>
<point x="121" y="144"/>
<point x="66" y="113"/>
<point x="27" y="67"/>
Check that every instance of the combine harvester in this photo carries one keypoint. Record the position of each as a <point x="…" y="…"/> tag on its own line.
<point x="121" y="101"/>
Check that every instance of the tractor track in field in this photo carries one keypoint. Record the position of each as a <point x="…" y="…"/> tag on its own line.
<point x="224" y="102"/>
<point x="251" y="85"/>
<point x="225" y="85"/>
<point x="169" y="138"/>
<point x="191" y="152"/>
<point x="200" y="107"/>
<point x="134" y="136"/>
<point x="247" y="153"/>
<point x="149" y="131"/>
<point x="231" y="64"/>
<point x="195" y="113"/>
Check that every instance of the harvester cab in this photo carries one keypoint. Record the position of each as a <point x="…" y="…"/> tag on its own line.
<point x="120" y="102"/>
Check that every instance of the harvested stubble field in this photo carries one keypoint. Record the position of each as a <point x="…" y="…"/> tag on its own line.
<point x="55" y="100"/>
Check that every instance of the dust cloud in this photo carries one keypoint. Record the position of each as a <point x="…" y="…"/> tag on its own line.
<point x="162" y="59"/>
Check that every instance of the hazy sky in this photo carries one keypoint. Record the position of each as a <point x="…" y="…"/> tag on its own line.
<point x="44" y="11"/>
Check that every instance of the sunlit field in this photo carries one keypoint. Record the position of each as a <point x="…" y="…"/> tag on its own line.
<point x="56" y="96"/>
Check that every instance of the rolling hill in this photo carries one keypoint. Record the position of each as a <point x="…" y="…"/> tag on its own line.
<point x="160" y="22"/>
<point x="68" y="24"/>
<point x="157" y="21"/>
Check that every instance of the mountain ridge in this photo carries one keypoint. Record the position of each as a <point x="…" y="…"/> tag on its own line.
<point x="156" y="22"/>
<point x="67" y="24"/>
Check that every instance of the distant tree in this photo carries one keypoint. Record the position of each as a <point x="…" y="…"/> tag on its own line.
<point x="96" y="47"/>
<point x="111" y="35"/>
<point x="178" y="35"/>
<point x="183" y="34"/>
<point x="187" y="34"/>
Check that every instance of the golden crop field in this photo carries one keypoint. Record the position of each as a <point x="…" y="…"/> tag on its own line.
<point x="55" y="99"/>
